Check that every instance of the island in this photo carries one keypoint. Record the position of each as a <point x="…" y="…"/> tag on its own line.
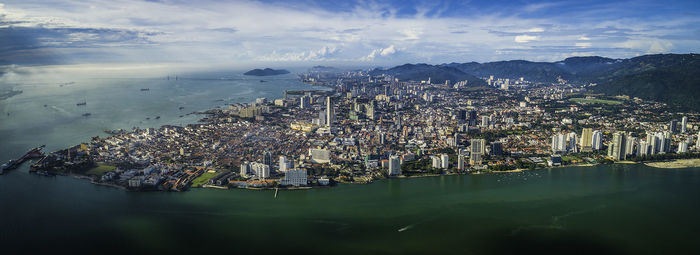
<point x="266" y="72"/>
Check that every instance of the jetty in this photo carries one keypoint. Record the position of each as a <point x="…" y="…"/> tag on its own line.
<point x="15" y="163"/>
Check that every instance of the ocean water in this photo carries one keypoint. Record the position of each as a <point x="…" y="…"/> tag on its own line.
<point x="607" y="209"/>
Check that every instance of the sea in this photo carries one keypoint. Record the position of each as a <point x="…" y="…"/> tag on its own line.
<point x="604" y="209"/>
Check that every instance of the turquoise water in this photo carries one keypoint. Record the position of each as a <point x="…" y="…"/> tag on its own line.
<point x="618" y="209"/>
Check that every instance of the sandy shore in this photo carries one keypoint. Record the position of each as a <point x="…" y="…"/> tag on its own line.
<point x="680" y="163"/>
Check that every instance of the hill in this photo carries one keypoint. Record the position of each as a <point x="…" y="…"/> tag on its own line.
<point x="436" y="73"/>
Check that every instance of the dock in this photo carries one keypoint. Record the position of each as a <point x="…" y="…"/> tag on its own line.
<point x="15" y="163"/>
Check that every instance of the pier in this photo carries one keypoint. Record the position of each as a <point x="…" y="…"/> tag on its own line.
<point x="31" y="154"/>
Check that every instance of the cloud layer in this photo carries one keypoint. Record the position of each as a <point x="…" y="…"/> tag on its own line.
<point x="349" y="33"/>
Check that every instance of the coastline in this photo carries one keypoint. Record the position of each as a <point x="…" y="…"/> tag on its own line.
<point x="675" y="164"/>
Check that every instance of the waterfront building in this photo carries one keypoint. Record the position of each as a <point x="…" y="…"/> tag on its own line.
<point x="261" y="170"/>
<point x="558" y="143"/>
<point x="617" y="147"/>
<point x="245" y="168"/>
<point x="682" y="147"/>
<point x="597" y="140"/>
<point x="644" y="148"/>
<point x="630" y="145"/>
<point x="294" y="177"/>
<point x="475" y="159"/>
<point x="586" y="139"/>
<point x="394" y="166"/>
<point x="460" y="162"/>
<point x="445" y="160"/>
<point x="437" y="163"/>
<point x="572" y="142"/>
<point x="478" y="146"/>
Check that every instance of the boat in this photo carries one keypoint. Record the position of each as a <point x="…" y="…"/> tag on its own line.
<point x="87" y="114"/>
<point x="146" y="89"/>
<point x="181" y="107"/>
<point x="157" y="117"/>
<point x="81" y="104"/>
<point x="263" y="81"/>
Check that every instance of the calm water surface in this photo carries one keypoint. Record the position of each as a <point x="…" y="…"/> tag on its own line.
<point x="620" y="209"/>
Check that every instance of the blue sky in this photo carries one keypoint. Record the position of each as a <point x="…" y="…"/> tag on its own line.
<point x="350" y="33"/>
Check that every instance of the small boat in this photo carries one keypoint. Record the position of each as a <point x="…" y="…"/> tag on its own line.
<point x="157" y="117"/>
<point x="146" y="89"/>
<point x="181" y="107"/>
<point x="263" y="81"/>
<point x="81" y="104"/>
<point x="86" y="114"/>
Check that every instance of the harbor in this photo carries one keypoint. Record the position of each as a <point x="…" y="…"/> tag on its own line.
<point x="15" y="163"/>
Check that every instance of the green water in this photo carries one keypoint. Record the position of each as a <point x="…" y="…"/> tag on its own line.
<point x="620" y="209"/>
<point x="628" y="209"/>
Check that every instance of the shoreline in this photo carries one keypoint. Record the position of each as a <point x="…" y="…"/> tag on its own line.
<point x="675" y="164"/>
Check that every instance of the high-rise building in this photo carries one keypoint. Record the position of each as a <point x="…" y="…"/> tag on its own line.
<point x="261" y="170"/>
<point x="617" y="152"/>
<point x="644" y="148"/>
<point x="496" y="148"/>
<point x="630" y="145"/>
<point x="597" y="142"/>
<point x="445" y="160"/>
<point x="572" y="142"/>
<point x="484" y="121"/>
<point x="394" y="166"/>
<point x="437" y="163"/>
<point x="586" y="139"/>
<point x="684" y="123"/>
<point x="478" y="146"/>
<point x="304" y="102"/>
<point x="558" y="143"/>
<point x="475" y="159"/>
<point x="460" y="162"/>
<point x="673" y="126"/>
<point x="330" y="113"/>
<point x="682" y="147"/>
<point x="245" y="168"/>
<point x="267" y="158"/>
<point x="285" y="164"/>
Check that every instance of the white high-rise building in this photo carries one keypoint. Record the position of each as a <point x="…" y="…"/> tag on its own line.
<point x="245" y="168"/>
<point x="394" y="166"/>
<point x="261" y="170"/>
<point x="573" y="140"/>
<point x="558" y="143"/>
<point x="436" y="161"/>
<point x="445" y="161"/>
<point x="294" y="177"/>
<point x="285" y="164"/>
<point x="460" y="162"/>
<point x="684" y="123"/>
<point x="682" y="147"/>
<point x="597" y="142"/>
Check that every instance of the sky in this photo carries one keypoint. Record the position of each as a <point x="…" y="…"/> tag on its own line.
<point x="279" y="33"/>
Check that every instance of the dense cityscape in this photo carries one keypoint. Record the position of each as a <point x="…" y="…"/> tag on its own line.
<point x="358" y="128"/>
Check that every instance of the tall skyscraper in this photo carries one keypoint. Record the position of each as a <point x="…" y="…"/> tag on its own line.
<point x="586" y="139"/>
<point x="558" y="143"/>
<point x="684" y="122"/>
<point x="267" y="158"/>
<point x="285" y="164"/>
<point x="673" y="126"/>
<point x="330" y="113"/>
<point x="597" y="142"/>
<point x="572" y="142"/>
<point x="630" y="145"/>
<point x="436" y="161"/>
<point x="618" y="146"/>
<point x="445" y="160"/>
<point x="682" y="147"/>
<point x="394" y="166"/>
<point x="496" y="148"/>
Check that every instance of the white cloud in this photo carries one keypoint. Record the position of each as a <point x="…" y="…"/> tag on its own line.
<point x="535" y="30"/>
<point x="380" y="52"/>
<point x="584" y="38"/>
<point x="583" y="44"/>
<point x="526" y="38"/>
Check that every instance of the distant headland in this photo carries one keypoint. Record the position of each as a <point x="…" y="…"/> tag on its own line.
<point x="266" y="72"/>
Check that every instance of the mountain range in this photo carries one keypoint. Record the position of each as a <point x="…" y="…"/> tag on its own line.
<point x="669" y="78"/>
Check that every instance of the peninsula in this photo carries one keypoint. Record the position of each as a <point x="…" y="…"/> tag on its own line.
<point x="375" y="125"/>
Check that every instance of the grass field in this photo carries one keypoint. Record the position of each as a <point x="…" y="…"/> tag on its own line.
<point x="100" y="170"/>
<point x="203" y="179"/>
<point x="594" y="101"/>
